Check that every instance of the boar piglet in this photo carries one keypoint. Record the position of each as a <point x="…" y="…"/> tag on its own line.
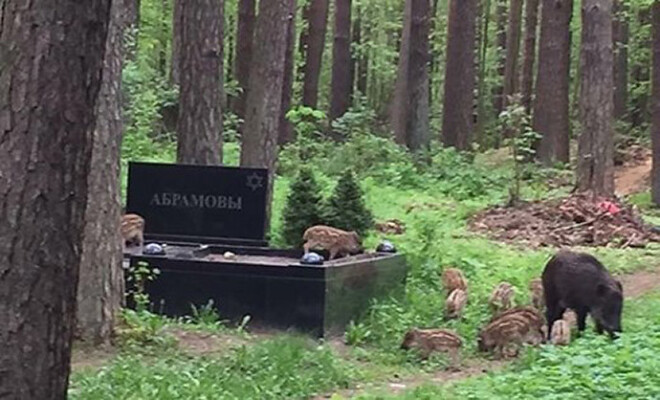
<point x="579" y="282"/>
<point x="336" y="241"/>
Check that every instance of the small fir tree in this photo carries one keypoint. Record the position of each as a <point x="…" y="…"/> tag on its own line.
<point x="302" y="209"/>
<point x="345" y="208"/>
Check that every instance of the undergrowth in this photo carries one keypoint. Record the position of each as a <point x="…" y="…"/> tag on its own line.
<point x="592" y="367"/>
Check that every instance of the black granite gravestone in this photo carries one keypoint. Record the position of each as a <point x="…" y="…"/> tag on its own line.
<point x="209" y="204"/>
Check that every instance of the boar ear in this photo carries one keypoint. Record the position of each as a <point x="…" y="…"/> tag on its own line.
<point x="619" y="285"/>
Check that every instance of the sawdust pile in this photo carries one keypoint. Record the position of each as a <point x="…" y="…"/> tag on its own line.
<point x="578" y="220"/>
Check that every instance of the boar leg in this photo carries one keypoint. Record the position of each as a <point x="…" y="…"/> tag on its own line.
<point x="599" y="328"/>
<point x="333" y="253"/>
<point x="553" y="312"/>
<point x="307" y="246"/>
<point x="581" y="319"/>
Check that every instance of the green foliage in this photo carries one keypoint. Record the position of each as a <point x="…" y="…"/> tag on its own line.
<point x="591" y="367"/>
<point x="282" y="368"/>
<point x="345" y="209"/>
<point x="516" y="122"/>
<point x="303" y="207"/>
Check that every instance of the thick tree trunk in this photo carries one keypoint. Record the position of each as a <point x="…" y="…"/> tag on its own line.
<point x="551" y="106"/>
<point x="529" y="54"/>
<point x="363" y="63"/>
<point x="259" y="145"/>
<point x="286" y="129"/>
<point x="399" y="108"/>
<point x="177" y="34"/>
<point x="244" y="43"/>
<point x="317" y="25"/>
<point x="418" y="137"/>
<point x="459" y="75"/>
<point x="340" y="99"/>
<point x="595" y="171"/>
<point x="101" y="284"/>
<point x="512" y="50"/>
<point x="199" y="129"/>
<point x="620" y="32"/>
<point x="501" y="59"/>
<point x="655" y="111"/>
<point x="48" y="90"/>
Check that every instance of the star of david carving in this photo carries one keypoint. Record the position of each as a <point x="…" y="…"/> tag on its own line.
<point x="255" y="181"/>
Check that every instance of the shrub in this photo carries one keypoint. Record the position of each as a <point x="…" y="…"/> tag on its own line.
<point x="346" y="209"/>
<point x="302" y="208"/>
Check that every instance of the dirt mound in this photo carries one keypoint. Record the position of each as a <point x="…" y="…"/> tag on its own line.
<point x="578" y="220"/>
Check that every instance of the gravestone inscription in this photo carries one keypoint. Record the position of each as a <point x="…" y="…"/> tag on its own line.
<point x="198" y="202"/>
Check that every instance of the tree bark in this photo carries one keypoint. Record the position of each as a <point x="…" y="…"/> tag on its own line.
<point x="418" y="137"/>
<point x="286" y="129"/>
<point x="244" y="43"/>
<point x="177" y="34"/>
<point x="340" y="99"/>
<point x="317" y="25"/>
<point x="459" y="75"/>
<point x="259" y="145"/>
<point x="595" y="171"/>
<point x="199" y="128"/>
<point x="529" y="55"/>
<point x="132" y="26"/>
<point x="48" y="90"/>
<point x="356" y="32"/>
<point x="512" y="50"/>
<point x="400" y="106"/>
<point x="363" y="63"/>
<point x="101" y="284"/>
<point x="501" y="59"/>
<point x="551" y="106"/>
<point x="620" y="32"/>
<point x="484" y="22"/>
<point x="655" y="110"/>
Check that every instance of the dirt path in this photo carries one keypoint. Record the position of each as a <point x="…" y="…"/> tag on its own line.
<point x="634" y="285"/>
<point x="633" y="179"/>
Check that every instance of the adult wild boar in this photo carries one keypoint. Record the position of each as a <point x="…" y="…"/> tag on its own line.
<point x="581" y="283"/>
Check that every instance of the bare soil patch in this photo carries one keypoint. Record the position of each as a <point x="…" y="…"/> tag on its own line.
<point x="577" y="220"/>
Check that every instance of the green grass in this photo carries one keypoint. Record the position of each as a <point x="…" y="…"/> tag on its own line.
<point x="592" y="367"/>
<point x="281" y="368"/>
<point x="435" y="202"/>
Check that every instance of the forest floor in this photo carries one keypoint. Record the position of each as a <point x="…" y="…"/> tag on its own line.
<point x="174" y="359"/>
<point x="634" y="285"/>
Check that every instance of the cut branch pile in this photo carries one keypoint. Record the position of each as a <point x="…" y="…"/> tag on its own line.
<point x="578" y="220"/>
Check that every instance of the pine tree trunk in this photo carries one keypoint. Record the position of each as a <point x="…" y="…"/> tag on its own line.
<point x="132" y="17"/>
<point x="639" y="112"/>
<point x="620" y="32"/>
<point x="340" y="99"/>
<point x="399" y="108"/>
<point x="459" y="75"/>
<point x="101" y="284"/>
<point x="199" y="129"/>
<point x="177" y="34"/>
<point x="286" y="129"/>
<point x="418" y="137"/>
<point x="356" y="32"/>
<point x="512" y="50"/>
<point x="317" y="25"/>
<point x="244" y="43"/>
<point x="551" y="106"/>
<point x="595" y="171"/>
<point x="363" y="63"/>
<point x="501" y="45"/>
<point x="484" y="22"/>
<point x="48" y="90"/>
<point x="259" y="145"/>
<point x="655" y="110"/>
<point x="529" y="57"/>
